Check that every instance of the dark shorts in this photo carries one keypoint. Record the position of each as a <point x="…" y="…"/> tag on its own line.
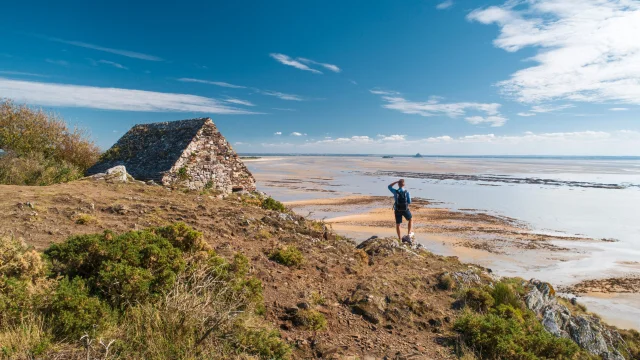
<point x="400" y="214"/>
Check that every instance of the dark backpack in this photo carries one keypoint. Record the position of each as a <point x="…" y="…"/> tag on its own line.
<point x="401" y="201"/>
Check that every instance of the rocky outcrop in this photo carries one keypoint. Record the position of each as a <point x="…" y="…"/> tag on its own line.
<point x="585" y="330"/>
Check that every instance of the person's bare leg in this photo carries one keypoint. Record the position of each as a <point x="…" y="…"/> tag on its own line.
<point x="398" y="231"/>
<point x="409" y="225"/>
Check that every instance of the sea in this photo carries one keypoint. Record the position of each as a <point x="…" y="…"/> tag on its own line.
<point x="589" y="196"/>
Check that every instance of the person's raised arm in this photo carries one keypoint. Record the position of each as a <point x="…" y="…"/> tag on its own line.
<point x="390" y="187"/>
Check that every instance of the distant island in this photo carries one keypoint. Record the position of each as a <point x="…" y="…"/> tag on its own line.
<point x="418" y="155"/>
<point x="387" y="157"/>
<point x="250" y="157"/>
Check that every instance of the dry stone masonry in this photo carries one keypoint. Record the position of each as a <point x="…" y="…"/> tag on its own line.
<point x="190" y="153"/>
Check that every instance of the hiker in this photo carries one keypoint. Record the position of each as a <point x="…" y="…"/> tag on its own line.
<point x="402" y="199"/>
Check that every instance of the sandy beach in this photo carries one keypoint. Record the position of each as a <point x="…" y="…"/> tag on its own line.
<point x="350" y="195"/>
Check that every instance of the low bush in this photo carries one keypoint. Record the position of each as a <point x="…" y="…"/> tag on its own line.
<point x="73" y="312"/>
<point x="477" y="299"/>
<point x="492" y="336"/>
<point x="85" y="219"/>
<point x="446" y="282"/>
<point x="272" y="204"/>
<point x="310" y="320"/>
<point x="288" y="256"/>
<point x="159" y="293"/>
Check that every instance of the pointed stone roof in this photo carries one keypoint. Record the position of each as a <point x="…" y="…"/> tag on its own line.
<point x="189" y="151"/>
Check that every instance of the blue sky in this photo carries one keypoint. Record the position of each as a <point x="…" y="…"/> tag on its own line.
<point x="438" y="77"/>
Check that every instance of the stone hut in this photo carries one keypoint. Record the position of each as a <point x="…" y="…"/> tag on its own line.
<point x="190" y="153"/>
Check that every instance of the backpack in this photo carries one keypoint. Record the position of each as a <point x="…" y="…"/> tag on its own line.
<point x="401" y="201"/>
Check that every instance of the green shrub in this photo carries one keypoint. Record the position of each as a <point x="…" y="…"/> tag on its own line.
<point x="494" y="337"/>
<point x="73" y="312"/>
<point x="288" y="256"/>
<point x="127" y="268"/>
<point x="272" y="204"/>
<point x="478" y="299"/>
<point x="182" y="174"/>
<point x="86" y="219"/>
<point x="310" y="320"/>
<point x="264" y="343"/>
<point x="504" y="294"/>
<point x="40" y="148"/>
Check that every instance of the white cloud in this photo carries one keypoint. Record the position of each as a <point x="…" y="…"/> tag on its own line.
<point x="20" y="73"/>
<point x="114" y="64"/>
<point x="295" y="133"/>
<point x="587" y="50"/>
<point x="239" y="102"/>
<point x="131" y="54"/>
<point x="280" y="95"/>
<point x="526" y="114"/>
<point x="286" y="60"/>
<point x="495" y="121"/>
<point x="277" y="133"/>
<point x="378" y="91"/>
<point x="330" y="67"/>
<point x="66" y="95"/>
<point x="528" y="143"/>
<point x="353" y="82"/>
<point x="445" y="5"/>
<point x="217" y="83"/>
<point x="433" y="107"/>
<point x="619" y="109"/>
<point x="392" y="137"/>
<point x="239" y="143"/>
<point x="550" y="108"/>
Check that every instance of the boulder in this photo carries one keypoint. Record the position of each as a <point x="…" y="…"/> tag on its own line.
<point x="585" y="330"/>
<point x="116" y="174"/>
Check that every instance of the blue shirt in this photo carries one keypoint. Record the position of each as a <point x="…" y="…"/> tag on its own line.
<point x="395" y="194"/>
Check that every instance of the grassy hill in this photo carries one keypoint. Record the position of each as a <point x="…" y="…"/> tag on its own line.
<point x="90" y="269"/>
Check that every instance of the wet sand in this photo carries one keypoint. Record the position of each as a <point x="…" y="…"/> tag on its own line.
<point x="341" y="191"/>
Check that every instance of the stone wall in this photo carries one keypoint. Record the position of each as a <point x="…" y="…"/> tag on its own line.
<point x="209" y="161"/>
<point x="190" y="153"/>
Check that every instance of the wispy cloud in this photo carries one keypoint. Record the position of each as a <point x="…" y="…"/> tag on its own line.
<point x="494" y="121"/>
<point x="66" y="95"/>
<point x="526" y="114"/>
<point x="239" y="102"/>
<point x="619" y="109"/>
<point x="550" y="108"/>
<point x="114" y="64"/>
<point x="444" y="5"/>
<point x="585" y="48"/>
<point x="302" y="63"/>
<point x="434" y="107"/>
<point x="57" y="62"/>
<point x="330" y="67"/>
<point x="295" y="133"/>
<point x="277" y="133"/>
<point x="217" y="83"/>
<point x="378" y="91"/>
<point x="283" y="96"/>
<point x="131" y="54"/>
<point x="286" y="60"/>
<point x="20" y="73"/>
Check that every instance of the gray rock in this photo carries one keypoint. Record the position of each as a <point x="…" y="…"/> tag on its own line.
<point x="117" y="174"/>
<point x="586" y="331"/>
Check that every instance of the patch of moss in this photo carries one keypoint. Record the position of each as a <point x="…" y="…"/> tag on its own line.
<point x="310" y="320"/>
